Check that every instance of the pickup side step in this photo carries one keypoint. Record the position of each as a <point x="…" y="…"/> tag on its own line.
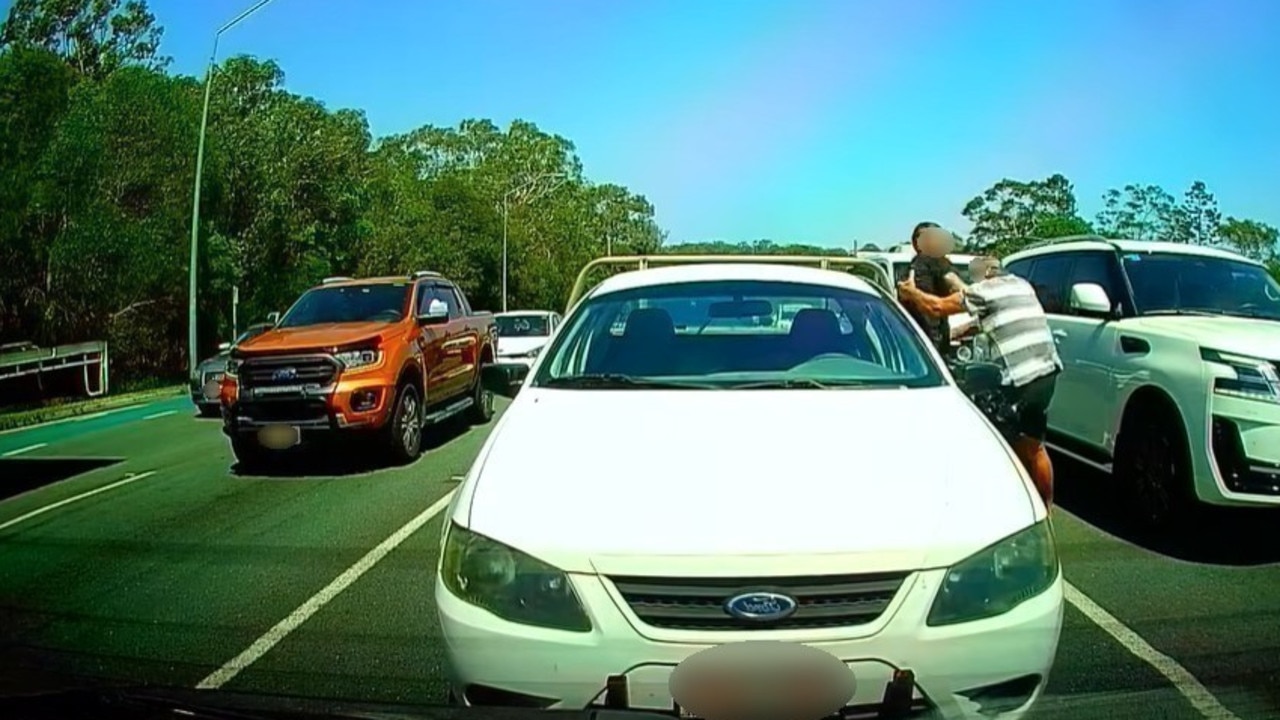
<point x="448" y="411"/>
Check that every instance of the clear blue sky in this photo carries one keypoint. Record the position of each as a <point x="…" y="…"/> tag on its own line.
<point x="815" y="121"/>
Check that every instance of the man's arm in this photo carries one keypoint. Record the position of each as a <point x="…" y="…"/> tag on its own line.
<point x="931" y="305"/>
<point x="953" y="281"/>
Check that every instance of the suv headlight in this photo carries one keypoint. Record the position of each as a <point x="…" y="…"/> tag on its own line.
<point x="1243" y="376"/>
<point x="998" y="578"/>
<point x="509" y="583"/>
<point x="353" y="359"/>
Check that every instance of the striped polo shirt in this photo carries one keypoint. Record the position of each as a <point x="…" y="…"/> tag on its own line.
<point x="1010" y="315"/>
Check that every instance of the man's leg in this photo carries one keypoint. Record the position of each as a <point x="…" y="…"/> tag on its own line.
<point x="1035" y="458"/>
<point x="1033" y="423"/>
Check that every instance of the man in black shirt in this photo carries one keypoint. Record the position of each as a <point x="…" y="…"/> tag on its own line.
<point x="933" y="275"/>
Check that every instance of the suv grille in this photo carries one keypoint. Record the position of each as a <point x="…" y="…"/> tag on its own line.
<point x="698" y="603"/>
<point x="288" y="370"/>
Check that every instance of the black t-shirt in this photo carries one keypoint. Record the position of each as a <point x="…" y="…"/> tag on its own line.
<point x="931" y="278"/>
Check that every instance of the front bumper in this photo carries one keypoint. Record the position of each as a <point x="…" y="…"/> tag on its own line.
<point x="993" y="668"/>
<point x="347" y="405"/>
<point x="1244" y="453"/>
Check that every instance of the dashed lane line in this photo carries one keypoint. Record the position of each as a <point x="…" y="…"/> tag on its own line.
<point x="22" y="450"/>
<point x="153" y="416"/>
<point x="75" y="498"/>
<point x="272" y="637"/>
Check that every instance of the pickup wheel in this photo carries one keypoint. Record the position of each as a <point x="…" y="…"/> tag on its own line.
<point x="402" y="435"/>
<point x="250" y="456"/>
<point x="1154" y="465"/>
<point x="481" y="410"/>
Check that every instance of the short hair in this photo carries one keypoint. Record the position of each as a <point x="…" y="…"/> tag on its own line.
<point x="921" y="227"/>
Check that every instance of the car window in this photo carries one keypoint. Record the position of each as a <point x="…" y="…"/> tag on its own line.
<point x="728" y="333"/>
<point x="382" y="302"/>
<point x="1021" y="268"/>
<point x="1172" y="282"/>
<point x="523" y="325"/>
<point x="1100" y="268"/>
<point x="1049" y="278"/>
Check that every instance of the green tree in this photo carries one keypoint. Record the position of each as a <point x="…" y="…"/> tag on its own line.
<point x="1200" y="217"/>
<point x="96" y="37"/>
<point x="1007" y="215"/>
<point x="1251" y="238"/>
<point x="1142" y="212"/>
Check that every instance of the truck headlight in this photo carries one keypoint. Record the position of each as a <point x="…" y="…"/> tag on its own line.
<point x="998" y="578"/>
<point x="352" y="359"/>
<point x="509" y="583"/>
<point x="1243" y="376"/>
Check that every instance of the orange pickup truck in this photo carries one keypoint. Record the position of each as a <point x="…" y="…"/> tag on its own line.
<point x="384" y="357"/>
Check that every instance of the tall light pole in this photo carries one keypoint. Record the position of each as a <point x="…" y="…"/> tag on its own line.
<point x="192" y="345"/>
<point x="506" y="201"/>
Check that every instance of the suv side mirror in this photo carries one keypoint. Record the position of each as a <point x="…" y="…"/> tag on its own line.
<point x="273" y="318"/>
<point x="504" y="379"/>
<point x="1090" y="299"/>
<point x="224" y="346"/>
<point x="436" y="313"/>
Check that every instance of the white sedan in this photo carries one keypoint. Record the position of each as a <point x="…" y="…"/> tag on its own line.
<point x="656" y="489"/>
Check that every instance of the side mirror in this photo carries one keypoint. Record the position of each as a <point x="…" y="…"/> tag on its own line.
<point x="437" y="312"/>
<point x="980" y="377"/>
<point x="503" y="379"/>
<point x="273" y="318"/>
<point x="1089" y="299"/>
<point x="224" y="346"/>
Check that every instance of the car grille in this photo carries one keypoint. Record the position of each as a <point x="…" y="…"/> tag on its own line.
<point x="313" y="370"/>
<point x="698" y="603"/>
<point x="284" y="411"/>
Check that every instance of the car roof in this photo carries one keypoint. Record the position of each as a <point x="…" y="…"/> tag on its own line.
<point x="711" y="272"/>
<point x="382" y="280"/>
<point x="525" y="313"/>
<point x="1127" y="246"/>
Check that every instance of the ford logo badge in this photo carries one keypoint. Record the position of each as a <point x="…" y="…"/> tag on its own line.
<point x="286" y="373"/>
<point x="760" y="606"/>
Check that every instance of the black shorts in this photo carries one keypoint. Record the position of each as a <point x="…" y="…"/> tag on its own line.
<point x="1031" y="405"/>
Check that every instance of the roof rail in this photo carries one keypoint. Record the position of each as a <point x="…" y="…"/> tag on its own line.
<point x="425" y="273"/>
<point x="335" y="279"/>
<point x="869" y="269"/>
<point x="1046" y="242"/>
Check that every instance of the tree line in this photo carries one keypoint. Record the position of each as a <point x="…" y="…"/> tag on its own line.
<point x="98" y="156"/>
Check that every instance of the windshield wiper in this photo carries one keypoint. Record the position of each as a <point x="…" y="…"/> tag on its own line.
<point x="804" y="383"/>
<point x="619" y="381"/>
<point x="1193" y="313"/>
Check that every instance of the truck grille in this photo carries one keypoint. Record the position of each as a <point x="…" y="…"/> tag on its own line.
<point x="698" y="603"/>
<point x="292" y="411"/>
<point x="284" y="371"/>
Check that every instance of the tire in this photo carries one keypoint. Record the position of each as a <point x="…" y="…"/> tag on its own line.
<point x="402" y="436"/>
<point x="1153" y="463"/>
<point x="250" y="456"/>
<point x="481" y="410"/>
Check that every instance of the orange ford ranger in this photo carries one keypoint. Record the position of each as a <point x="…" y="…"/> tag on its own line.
<point x="381" y="357"/>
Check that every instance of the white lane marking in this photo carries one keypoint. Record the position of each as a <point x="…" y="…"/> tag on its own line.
<point x="75" y="498"/>
<point x="1183" y="681"/>
<point x="153" y="416"/>
<point x="26" y="449"/>
<point x="272" y="637"/>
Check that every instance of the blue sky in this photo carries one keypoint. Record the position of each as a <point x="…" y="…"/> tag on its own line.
<point x="816" y="121"/>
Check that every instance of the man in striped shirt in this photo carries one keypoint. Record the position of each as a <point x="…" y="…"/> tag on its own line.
<point x="1009" y="315"/>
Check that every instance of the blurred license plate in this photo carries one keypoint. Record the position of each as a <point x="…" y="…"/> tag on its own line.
<point x="279" y="437"/>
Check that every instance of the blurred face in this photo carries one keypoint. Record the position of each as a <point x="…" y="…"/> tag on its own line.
<point x="936" y="242"/>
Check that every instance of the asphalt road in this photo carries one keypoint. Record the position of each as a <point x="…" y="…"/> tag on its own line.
<point x="176" y="566"/>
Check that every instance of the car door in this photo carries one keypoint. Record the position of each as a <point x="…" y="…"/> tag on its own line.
<point x="1087" y="394"/>
<point x="431" y="340"/>
<point x="463" y="343"/>
<point x="1048" y="275"/>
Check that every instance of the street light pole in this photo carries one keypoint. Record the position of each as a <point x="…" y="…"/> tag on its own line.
<point x="506" y="203"/>
<point x="192" y="344"/>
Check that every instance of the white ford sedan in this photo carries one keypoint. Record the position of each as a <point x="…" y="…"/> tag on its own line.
<point x="680" y="470"/>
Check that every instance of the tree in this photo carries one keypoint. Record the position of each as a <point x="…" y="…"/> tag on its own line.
<point x="1010" y="213"/>
<point x="1142" y="212"/>
<point x="96" y="37"/>
<point x="1199" y="215"/>
<point x="1251" y="238"/>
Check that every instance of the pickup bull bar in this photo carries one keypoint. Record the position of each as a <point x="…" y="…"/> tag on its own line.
<point x="859" y="266"/>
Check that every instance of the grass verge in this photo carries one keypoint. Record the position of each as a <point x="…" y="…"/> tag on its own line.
<point x="35" y="416"/>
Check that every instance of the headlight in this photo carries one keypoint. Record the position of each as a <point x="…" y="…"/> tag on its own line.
<point x="352" y="359"/>
<point x="999" y="578"/>
<point x="1242" y="376"/>
<point x="533" y="353"/>
<point x="509" y="583"/>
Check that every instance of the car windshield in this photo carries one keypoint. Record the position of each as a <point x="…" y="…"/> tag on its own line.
<point x="384" y="302"/>
<point x="523" y="325"/>
<point x="1182" y="282"/>
<point x="741" y="333"/>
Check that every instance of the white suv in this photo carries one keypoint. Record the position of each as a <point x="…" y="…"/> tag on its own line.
<point x="1170" y="380"/>
<point x="657" y="489"/>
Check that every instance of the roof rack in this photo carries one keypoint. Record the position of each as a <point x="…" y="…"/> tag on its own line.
<point x="425" y="273"/>
<point x="1046" y="242"/>
<point x="869" y="269"/>
<point x="335" y="279"/>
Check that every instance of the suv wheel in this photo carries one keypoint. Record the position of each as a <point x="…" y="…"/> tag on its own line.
<point x="1153" y="463"/>
<point x="481" y="410"/>
<point x="403" y="433"/>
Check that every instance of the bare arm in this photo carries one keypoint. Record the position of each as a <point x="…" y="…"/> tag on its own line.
<point x="954" y="282"/>
<point x="932" y="305"/>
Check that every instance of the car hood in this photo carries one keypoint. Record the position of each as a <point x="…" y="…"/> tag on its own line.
<point x="1254" y="337"/>
<point x="314" y="337"/>
<point x="519" y="345"/>
<point x="592" y="478"/>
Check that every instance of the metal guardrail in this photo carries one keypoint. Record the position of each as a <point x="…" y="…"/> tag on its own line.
<point x="860" y="266"/>
<point x="89" y="357"/>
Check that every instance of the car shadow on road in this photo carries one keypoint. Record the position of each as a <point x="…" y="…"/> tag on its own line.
<point x="1217" y="536"/>
<point x="347" y="456"/>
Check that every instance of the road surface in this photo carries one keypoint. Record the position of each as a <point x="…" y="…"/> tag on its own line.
<point x="133" y="554"/>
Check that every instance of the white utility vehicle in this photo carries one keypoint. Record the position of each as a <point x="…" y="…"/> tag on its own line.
<point x="657" y="488"/>
<point x="522" y="334"/>
<point x="1170" y="355"/>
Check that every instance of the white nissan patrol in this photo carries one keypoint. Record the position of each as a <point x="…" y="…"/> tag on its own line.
<point x="657" y="488"/>
<point x="1170" y="355"/>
